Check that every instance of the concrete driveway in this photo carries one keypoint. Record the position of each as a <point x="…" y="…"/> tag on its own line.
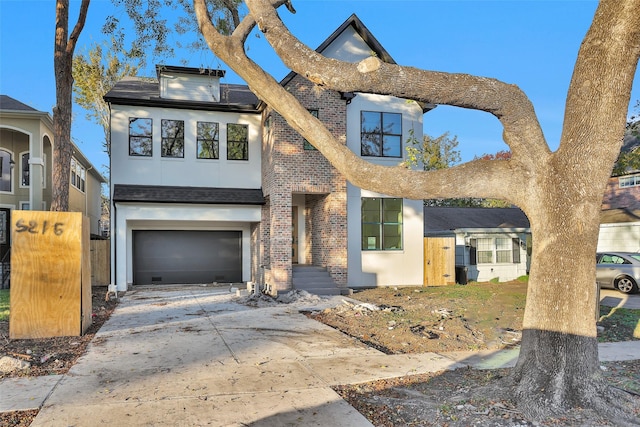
<point x="192" y="356"/>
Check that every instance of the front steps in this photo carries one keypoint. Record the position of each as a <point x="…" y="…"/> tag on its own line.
<point x="315" y="280"/>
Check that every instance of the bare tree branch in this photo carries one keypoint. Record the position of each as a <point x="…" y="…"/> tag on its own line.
<point x="77" y="29"/>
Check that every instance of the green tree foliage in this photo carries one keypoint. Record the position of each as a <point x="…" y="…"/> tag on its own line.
<point x="629" y="158"/>
<point x="94" y="75"/>
<point x="433" y="153"/>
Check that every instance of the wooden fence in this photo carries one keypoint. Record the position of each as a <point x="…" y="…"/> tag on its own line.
<point x="100" y="262"/>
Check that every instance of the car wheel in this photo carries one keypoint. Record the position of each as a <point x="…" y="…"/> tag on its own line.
<point x="626" y="285"/>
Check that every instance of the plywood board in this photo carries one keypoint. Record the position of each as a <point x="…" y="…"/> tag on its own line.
<point x="46" y="264"/>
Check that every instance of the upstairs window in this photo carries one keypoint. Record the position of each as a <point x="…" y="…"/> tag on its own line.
<point x="381" y="224"/>
<point x="629" y="181"/>
<point x="140" y="137"/>
<point x="306" y="144"/>
<point x="172" y="138"/>
<point x="237" y="142"/>
<point x="78" y="175"/>
<point x="207" y="140"/>
<point x="25" y="168"/>
<point x="5" y="171"/>
<point x="380" y="134"/>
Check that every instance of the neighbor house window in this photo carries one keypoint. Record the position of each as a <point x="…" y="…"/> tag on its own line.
<point x="172" y="138"/>
<point x="237" y="142"/>
<point x="380" y="134"/>
<point x="140" y="137"/>
<point x="495" y="250"/>
<point x="381" y="224"/>
<point x="78" y="174"/>
<point x="207" y="140"/>
<point x="306" y="144"/>
<point x="5" y="171"/>
<point x="24" y="168"/>
<point x="629" y="181"/>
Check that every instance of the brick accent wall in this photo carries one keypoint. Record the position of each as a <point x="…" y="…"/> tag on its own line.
<point x="287" y="168"/>
<point x="616" y="197"/>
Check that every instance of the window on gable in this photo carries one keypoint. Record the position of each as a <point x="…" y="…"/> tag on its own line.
<point x="207" y="140"/>
<point x="5" y="171"/>
<point x="306" y="144"/>
<point x="381" y="224"/>
<point x="172" y="138"/>
<point x="140" y="137"/>
<point x="380" y="134"/>
<point x="237" y="142"/>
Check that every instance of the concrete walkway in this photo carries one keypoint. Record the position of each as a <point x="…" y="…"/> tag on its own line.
<point x="192" y="356"/>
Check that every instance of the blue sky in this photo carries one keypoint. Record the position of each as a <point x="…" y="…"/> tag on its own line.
<point x="532" y="44"/>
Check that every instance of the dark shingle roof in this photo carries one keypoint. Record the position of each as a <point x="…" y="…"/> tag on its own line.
<point x="8" y="103"/>
<point x="446" y="218"/>
<point x="192" y="195"/>
<point x="146" y="92"/>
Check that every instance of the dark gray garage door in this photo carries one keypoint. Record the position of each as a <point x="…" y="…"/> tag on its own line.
<point x="169" y="257"/>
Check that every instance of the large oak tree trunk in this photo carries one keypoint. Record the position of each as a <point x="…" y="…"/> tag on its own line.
<point x="560" y="192"/>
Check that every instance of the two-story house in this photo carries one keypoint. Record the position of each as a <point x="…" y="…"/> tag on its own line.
<point x="26" y="171"/>
<point x="620" y="217"/>
<point x="208" y="184"/>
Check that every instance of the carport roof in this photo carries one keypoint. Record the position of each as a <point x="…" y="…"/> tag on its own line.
<point x="190" y="195"/>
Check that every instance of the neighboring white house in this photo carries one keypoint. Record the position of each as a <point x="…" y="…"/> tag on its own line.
<point x="210" y="185"/>
<point x="490" y="243"/>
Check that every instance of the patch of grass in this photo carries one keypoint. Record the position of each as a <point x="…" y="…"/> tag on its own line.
<point x="523" y="279"/>
<point x="620" y="324"/>
<point x="4" y="304"/>
<point x="495" y="280"/>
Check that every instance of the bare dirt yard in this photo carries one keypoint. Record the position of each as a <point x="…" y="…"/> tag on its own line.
<point x="402" y="320"/>
<point x="472" y="317"/>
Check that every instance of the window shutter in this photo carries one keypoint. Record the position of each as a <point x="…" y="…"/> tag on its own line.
<point x="516" y="250"/>
<point x="472" y="251"/>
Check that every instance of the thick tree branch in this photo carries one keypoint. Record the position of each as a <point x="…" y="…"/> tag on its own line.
<point x="601" y="83"/>
<point x="489" y="176"/>
<point x="506" y="102"/>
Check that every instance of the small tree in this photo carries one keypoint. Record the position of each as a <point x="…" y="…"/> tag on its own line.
<point x="561" y="192"/>
<point x="94" y="75"/>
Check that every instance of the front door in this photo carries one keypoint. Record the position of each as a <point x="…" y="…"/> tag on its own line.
<point x="294" y="234"/>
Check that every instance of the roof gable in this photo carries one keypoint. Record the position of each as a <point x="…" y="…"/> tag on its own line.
<point x="350" y="42"/>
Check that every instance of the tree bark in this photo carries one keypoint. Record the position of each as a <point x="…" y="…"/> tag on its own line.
<point x="62" y="112"/>
<point x="560" y="192"/>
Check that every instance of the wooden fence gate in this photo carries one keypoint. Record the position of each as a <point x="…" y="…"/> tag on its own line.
<point x="439" y="261"/>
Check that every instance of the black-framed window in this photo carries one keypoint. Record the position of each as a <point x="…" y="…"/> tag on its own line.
<point x="237" y="142"/>
<point x="140" y="137"/>
<point x="381" y="224"/>
<point x="207" y="140"/>
<point x="306" y="144"/>
<point x="172" y="138"/>
<point x="380" y="134"/>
